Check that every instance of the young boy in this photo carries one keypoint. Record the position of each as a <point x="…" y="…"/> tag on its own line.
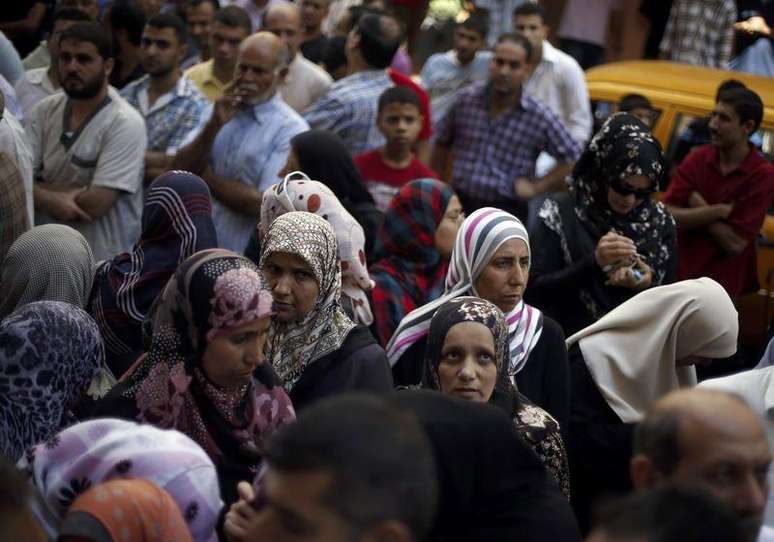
<point x="389" y="167"/>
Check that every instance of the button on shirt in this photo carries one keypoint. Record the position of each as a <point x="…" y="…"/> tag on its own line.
<point x="32" y="88"/>
<point x="251" y="148"/>
<point x="350" y="108"/>
<point x="490" y="154"/>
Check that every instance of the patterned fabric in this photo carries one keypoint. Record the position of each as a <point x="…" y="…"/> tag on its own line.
<point x="489" y="154"/>
<point x="52" y="263"/>
<point x="129" y="510"/>
<point x="176" y="223"/>
<point x="409" y="271"/>
<point x="700" y="32"/>
<point x="97" y="451"/>
<point x="293" y="346"/>
<point x="477" y="240"/>
<point x="315" y="197"/>
<point x="49" y="353"/>
<point x="623" y="147"/>
<point x="211" y="293"/>
<point x="349" y="109"/>
<point x="13" y="205"/>
<point x="171" y="116"/>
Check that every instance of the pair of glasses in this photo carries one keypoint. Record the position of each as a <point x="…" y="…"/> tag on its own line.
<point x="626" y="190"/>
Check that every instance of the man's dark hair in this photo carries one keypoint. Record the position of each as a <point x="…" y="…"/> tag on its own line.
<point x="634" y="101"/>
<point x="657" y="437"/>
<point x="334" y="53"/>
<point x="519" y="39"/>
<point x="379" y="457"/>
<point x="747" y="104"/>
<point x="169" y="20"/>
<point x="233" y="17"/>
<point x="476" y="23"/>
<point x="530" y="8"/>
<point x="197" y="3"/>
<point x="128" y="15"/>
<point x="670" y="514"/>
<point x="399" y="95"/>
<point x="380" y="38"/>
<point x="90" y="32"/>
<point x="728" y="84"/>
<point x="69" y="14"/>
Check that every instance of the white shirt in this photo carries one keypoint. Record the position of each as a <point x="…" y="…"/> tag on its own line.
<point x="33" y="87"/>
<point x="304" y="83"/>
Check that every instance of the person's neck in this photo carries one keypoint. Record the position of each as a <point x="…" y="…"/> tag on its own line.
<point x="224" y="74"/>
<point x="80" y="109"/>
<point x="730" y="158"/>
<point x="53" y="76"/>
<point x="356" y="64"/>
<point x="312" y="32"/>
<point x="163" y="84"/>
<point x="397" y="157"/>
<point x="499" y="102"/>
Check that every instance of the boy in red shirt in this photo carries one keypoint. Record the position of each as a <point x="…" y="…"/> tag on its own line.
<point x="389" y="167"/>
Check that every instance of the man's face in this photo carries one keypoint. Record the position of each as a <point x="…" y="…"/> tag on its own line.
<point x="82" y="72"/>
<point x="286" y="25"/>
<point x="200" y="24"/>
<point x="161" y="51"/>
<point x="466" y="44"/>
<point x="313" y="12"/>
<point x="508" y="68"/>
<point x="89" y="7"/>
<point x="532" y="27"/>
<point x="725" y="128"/>
<point x="257" y="75"/>
<point x="224" y="43"/>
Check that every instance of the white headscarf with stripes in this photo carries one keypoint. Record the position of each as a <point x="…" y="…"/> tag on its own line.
<point x="479" y="237"/>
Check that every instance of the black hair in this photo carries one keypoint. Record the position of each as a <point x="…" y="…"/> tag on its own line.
<point x="634" y="101"/>
<point x="379" y="457"/>
<point x="69" y="14"/>
<point x="530" y="8"/>
<point x="519" y="39"/>
<point x="169" y="20"/>
<point x="747" y="104"/>
<point x="334" y="54"/>
<point x="90" y="32"/>
<point x="380" y="38"/>
<point x="476" y="23"/>
<point x="234" y="16"/>
<point x="399" y="95"/>
<point x="728" y="84"/>
<point x="196" y="3"/>
<point x="657" y="437"/>
<point x="128" y="15"/>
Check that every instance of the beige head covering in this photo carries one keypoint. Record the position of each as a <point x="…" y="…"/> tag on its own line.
<point x="632" y="351"/>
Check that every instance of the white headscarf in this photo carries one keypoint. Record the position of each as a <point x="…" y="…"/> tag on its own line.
<point x="632" y="351"/>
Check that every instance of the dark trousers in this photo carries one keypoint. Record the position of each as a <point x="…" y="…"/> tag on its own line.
<point x="587" y="54"/>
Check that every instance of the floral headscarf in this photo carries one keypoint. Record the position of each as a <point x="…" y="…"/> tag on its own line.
<point x="49" y="353"/>
<point x="293" y="346"/>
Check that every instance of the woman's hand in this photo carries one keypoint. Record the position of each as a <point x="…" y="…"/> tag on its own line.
<point x="241" y="517"/>
<point x="613" y="248"/>
<point x="626" y="277"/>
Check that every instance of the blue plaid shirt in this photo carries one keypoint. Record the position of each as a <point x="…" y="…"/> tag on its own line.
<point x="490" y="154"/>
<point x="172" y="116"/>
<point x="349" y="109"/>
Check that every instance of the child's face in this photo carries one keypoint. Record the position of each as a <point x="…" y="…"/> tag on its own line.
<point x="400" y="123"/>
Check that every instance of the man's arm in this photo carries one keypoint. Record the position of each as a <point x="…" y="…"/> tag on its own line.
<point x="688" y="218"/>
<point x="60" y="205"/>
<point x="725" y="236"/>
<point x="235" y="195"/>
<point x="97" y="201"/>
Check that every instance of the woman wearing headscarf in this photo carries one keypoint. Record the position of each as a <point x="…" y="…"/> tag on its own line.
<point x="205" y="372"/>
<point x="91" y="453"/>
<point x="606" y="239"/>
<point x="47" y="263"/>
<point x="316" y="349"/>
<point x="413" y="250"/>
<point x="468" y="356"/>
<point x="302" y="194"/>
<point x="50" y="352"/>
<point x="620" y="365"/>
<point x="491" y="260"/>
<point x="13" y="206"/>
<point x="145" y="513"/>
<point x="176" y="222"/>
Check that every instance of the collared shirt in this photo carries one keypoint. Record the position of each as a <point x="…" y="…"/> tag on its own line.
<point x="304" y="84"/>
<point x="251" y="148"/>
<point x="203" y="77"/>
<point x="33" y="87"/>
<point x="750" y="187"/>
<point x="558" y="82"/>
<point x="171" y="116"/>
<point x="39" y="58"/>
<point x="444" y="77"/>
<point x="700" y="32"/>
<point x="491" y="153"/>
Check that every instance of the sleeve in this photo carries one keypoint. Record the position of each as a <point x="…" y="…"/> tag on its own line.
<point x="683" y="182"/>
<point x="750" y="207"/>
<point x="560" y="144"/>
<point x="122" y="160"/>
<point x="577" y="102"/>
<point x="446" y="127"/>
<point x="279" y="154"/>
<point x="327" y="113"/>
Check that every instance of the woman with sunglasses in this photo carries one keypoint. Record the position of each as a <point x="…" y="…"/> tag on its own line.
<point x="605" y="239"/>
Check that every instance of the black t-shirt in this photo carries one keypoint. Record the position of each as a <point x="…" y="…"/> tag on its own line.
<point x="314" y="49"/>
<point x="18" y="10"/>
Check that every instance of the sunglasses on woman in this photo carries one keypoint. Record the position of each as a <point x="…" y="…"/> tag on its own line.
<point x="625" y="190"/>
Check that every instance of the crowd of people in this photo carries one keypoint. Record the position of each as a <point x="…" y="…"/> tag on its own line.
<point x="264" y="275"/>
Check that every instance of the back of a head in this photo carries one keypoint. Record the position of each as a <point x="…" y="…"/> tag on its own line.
<point x="380" y="460"/>
<point x="128" y="15"/>
<point x="747" y="104"/>
<point x="380" y="38"/>
<point x="634" y="101"/>
<point x="234" y="17"/>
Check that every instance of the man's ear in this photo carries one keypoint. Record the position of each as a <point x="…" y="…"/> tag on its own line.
<point x="388" y="531"/>
<point x="749" y="126"/>
<point x="644" y="473"/>
<point x="109" y="64"/>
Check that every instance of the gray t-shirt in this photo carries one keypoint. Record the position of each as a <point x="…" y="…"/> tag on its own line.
<point x="107" y="151"/>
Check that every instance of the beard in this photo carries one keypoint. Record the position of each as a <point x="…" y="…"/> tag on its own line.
<point x="89" y="89"/>
<point x="255" y="97"/>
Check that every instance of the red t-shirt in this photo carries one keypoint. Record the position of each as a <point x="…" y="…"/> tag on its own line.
<point x="751" y="188"/>
<point x="404" y="81"/>
<point x="384" y="181"/>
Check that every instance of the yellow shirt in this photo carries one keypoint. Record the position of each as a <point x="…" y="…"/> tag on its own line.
<point x="203" y="77"/>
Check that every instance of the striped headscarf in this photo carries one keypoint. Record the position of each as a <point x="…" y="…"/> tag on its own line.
<point x="478" y="239"/>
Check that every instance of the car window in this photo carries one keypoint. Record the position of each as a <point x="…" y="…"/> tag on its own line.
<point x="602" y="109"/>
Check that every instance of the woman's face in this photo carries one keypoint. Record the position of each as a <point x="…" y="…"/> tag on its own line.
<point x="468" y="367"/>
<point x="505" y="277"/>
<point x="293" y="285"/>
<point x="624" y="203"/>
<point x="291" y="164"/>
<point x="229" y="360"/>
<point x="446" y="232"/>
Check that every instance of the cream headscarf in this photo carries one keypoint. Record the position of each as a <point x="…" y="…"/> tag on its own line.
<point x="632" y="351"/>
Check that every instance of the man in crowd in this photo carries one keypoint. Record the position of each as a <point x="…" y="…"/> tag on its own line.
<point x="199" y="15"/>
<point x="349" y="108"/>
<point x="700" y="32"/>
<point x="41" y="56"/>
<point x="170" y="102"/>
<point x="313" y="13"/>
<point x="496" y="132"/>
<point x="305" y="82"/>
<point x="720" y="195"/>
<point x="230" y="27"/>
<point x="126" y="21"/>
<point x="88" y="146"/>
<point x="243" y="140"/>
<point x="255" y="9"/>
<point x="709" y="440"/>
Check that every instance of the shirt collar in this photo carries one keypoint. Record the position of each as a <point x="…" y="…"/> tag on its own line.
<point x="209" y="75"/>
<point x="550" y="54"/>
<point x="259" y="111"/>
<point x="40" y="77"/>
<point x="747" y="166"/>
<point x="524" y="102"/>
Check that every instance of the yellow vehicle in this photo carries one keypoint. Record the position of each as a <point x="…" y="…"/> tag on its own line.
<point x="680" y="94"/>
